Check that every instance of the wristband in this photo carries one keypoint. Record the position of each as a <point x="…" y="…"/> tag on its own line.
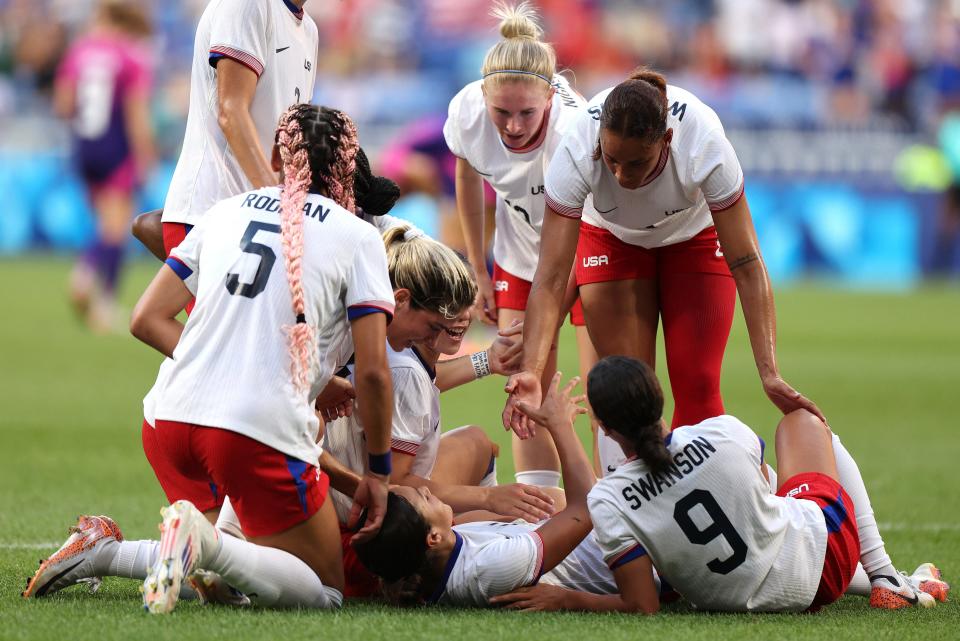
<point x="379" y="463"/>
<point x="481" y="364"/>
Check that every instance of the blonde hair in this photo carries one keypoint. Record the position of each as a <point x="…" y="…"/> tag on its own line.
<point x="520" y="54"/>
<point x="439" y="279"/>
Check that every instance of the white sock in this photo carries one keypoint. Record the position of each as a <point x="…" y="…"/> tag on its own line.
<point x="133" y="560"/>
<point x="490" y="478"/>
<point x="271" y="577"/>
<point x="873" y="555"/>
<point x="228" y="521"/>
<point x="860" y="584"/>
<point x="540" y="478"/>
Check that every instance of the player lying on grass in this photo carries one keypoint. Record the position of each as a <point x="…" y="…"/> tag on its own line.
<point x="696" y="505"/>
<point x="423" y="558"/>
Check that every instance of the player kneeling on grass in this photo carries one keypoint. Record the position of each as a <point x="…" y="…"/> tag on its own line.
<point x="696" y="504"/>
<point x="424" y="558"/>
<point x="234" y="405"/>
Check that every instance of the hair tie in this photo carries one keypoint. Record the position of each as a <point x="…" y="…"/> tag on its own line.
<point x="525" y="73"/>
<point x="301" y="318"/>
<point x="412" y="233"/>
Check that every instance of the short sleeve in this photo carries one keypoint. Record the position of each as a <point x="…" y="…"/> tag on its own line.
<point x="716" y="169"/>
<point x="507" y="565"/>
<point x="412" y="392"/>
<point x="617" y="543"/>
<point x="184" y="259"/>
<point x="451" y="128"/>
<point x="733" y="429"/>
<point x="368" y="287"/>
<point x="565" y="186"/>
<point x="239" y="31"/>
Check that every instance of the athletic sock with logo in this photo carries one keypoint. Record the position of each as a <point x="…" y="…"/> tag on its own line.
<point x="873" y="555"/>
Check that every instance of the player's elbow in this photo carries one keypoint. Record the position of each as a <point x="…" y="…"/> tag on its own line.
<point x="227" y="116"/>
<point x="140" y="323"/>
<point x="646" y="606"/>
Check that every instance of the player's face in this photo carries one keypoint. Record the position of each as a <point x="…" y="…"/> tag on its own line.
<point x="412" y="325"/>
<point x="631" y="161"/>
<point x="451" y="338"/>
<point x="434" y="511"/>
<point x="516" y="109"/>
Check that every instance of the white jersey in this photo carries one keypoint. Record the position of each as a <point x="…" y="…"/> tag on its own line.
<point x="711" y="526"/>
<point x="491" y="558"/>
<point x="515" y="175"/>
<point x="609" y="453"/>
<point x="231" y="368"/>
<point x="698" y="173"/>
<point x="281" y="49"/>
<point x="416" y="423"/>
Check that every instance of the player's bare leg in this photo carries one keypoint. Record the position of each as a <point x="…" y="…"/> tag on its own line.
<point x="622" y="318"/>
<point x="587" y="357"/>
<point x="94" y="281"/>
<point x="466" y="456"/>
<point x="535" y="460"/>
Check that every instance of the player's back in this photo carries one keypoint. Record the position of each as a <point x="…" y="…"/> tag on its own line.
<point x="231" y="368"/>
<point x="711" y="525"/>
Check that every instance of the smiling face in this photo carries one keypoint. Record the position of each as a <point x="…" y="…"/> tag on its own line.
<point x="435" y="512"/>
<point x="517" y="109"/>
<point x="411" y="325"/>
<point x="450" y="339"/>
<point x="632" y="161"/>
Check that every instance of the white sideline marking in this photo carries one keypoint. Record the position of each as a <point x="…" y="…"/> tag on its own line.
<point x="884" y="527"/>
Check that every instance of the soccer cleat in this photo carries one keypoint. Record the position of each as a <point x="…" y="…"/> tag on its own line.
<point x="927" y="578"/>
<point x="73" y="562"/>
<point x="186" y="540"/>
<point x="211" y="588"/>
<point x="896" y="592"/>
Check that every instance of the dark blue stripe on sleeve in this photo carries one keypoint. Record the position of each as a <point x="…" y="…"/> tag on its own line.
<point x="633" y="553"/>
<point x="179" y="268"/>
<point x="763" y="448"/>
<point x="358" y="311"/>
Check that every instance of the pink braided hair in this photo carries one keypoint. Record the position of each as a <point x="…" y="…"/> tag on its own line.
<point x="296" y="182"/>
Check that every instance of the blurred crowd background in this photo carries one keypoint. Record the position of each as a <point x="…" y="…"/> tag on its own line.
<point x="845" y="113"/>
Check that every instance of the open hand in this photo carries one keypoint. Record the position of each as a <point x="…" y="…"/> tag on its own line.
<point x="788" y="399"/>
<point x="537" y="598"/>
<point x="521" y="501"/>
<point x="559" y="408"/>
<point x="522" y="387"/>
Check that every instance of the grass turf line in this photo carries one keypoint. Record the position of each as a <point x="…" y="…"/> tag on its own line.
<point x="883" y="367"/>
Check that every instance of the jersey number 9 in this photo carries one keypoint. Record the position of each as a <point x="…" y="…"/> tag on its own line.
<point x="721" y="526"/>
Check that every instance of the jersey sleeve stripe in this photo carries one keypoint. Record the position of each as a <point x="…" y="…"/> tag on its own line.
<point x="179" y="268"/>
<point x="242" y="57"/>
<point x="404" y="447"/>
<point x="538" y="540"/>
<point x="727" y="203"/>
<point x="625" y="557"/>
<point x="356" y="311"/>
<point x="562" y="209"/>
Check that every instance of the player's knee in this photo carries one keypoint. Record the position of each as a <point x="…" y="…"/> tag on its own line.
<point x="803" y="422"/>
<point x="480" y="441"/>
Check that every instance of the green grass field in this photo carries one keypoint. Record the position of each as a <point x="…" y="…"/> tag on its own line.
<point x="884" y="368"/>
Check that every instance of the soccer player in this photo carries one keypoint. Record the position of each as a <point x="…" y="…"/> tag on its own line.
<point x="427" y="560"/>
<point x="695" y="503"/>
<point x="103" y="88"/>
<point x="251" y="60"/>
<point x="504" y="129"/>
<point x="233" y="403"/>
<point x="668" y="238"/>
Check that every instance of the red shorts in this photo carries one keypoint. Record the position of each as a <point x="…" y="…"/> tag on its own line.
<point x="360" y="582"/>
<point x="602" y="257"/>
<point x="511" y="292"/>
<point x="270" y="491"/>
<point x="843" y="542"/>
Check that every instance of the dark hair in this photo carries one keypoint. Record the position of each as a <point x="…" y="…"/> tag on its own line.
<point x="637" y="107"/>
<point x="375" y="195"/>
<point x="399" y="549"/>
<point x="626" y="397"/>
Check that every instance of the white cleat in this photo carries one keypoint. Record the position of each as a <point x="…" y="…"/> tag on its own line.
<point x="186" y="539"/>
<point x="897" y="592"/>
<point x="73" y="562"/>
<point x="211" y="588"/>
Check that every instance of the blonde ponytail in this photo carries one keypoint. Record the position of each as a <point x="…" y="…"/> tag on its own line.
<point x="520" y="54"/>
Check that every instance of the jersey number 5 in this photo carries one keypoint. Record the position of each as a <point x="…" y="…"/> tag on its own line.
<point x="721" y="526"/>
<point x="267" y="259"/>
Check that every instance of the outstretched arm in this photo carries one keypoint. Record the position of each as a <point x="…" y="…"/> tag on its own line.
<point x="738" y="240"/>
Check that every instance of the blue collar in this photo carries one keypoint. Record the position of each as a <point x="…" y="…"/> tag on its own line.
<point x="297" y="11"/>
<point x="668" y="438"/>
<point x="452" y="561"/>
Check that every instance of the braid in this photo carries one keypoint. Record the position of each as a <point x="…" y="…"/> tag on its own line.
<point x="296" y="182"/>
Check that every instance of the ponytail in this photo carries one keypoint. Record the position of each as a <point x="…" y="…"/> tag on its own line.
<point x="637" y="107"/>
<point x="318" y="147"/>
<point x="626" y="397"/>
<point x="520" y="54"/>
